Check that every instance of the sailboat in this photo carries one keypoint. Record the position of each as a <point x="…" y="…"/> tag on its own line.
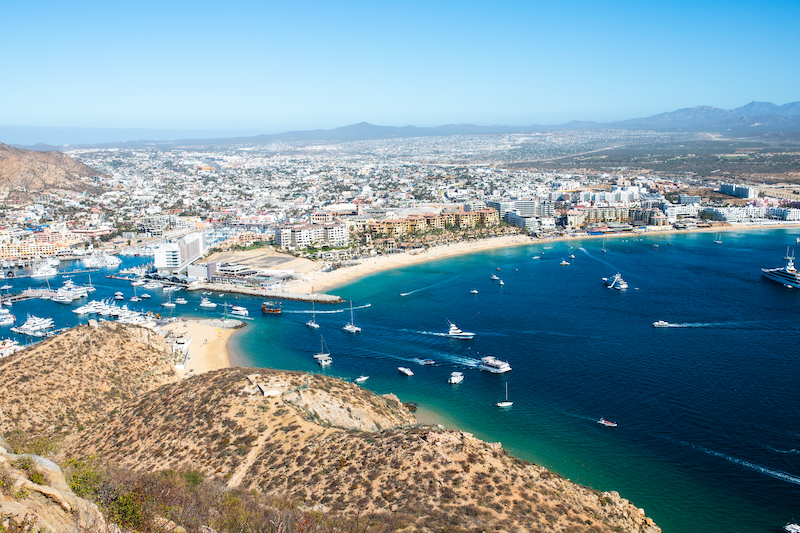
<point x="351" y="326"/>
<point x="505" y="403"/>
<point x="313" y="323"/>
<point x="135" y="298"/>
<point x="717" y="239"/>
<point x="168" y="303"/>
<point x="603" y="249"/>
<point x="323" y="357"/>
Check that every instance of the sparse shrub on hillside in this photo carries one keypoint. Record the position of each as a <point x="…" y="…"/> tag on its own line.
<point x="22" y="443"/>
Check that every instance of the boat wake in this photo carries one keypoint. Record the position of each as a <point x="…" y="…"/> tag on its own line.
<point x="777" y="474"/>
<point x="703" y="324"/>
<point x="431" y="333"/>
<point x="429" y="286"/>
<point x="593" y="419"/>
<point x="309" y="311"/>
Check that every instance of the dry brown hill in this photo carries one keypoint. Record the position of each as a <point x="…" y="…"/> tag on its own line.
<point x="24" y="171"/>
<point x="61" y="385"/>
<point x="320" y="441"/>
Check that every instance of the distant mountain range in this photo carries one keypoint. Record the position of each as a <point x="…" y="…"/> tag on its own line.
<point x="756" y="119"/>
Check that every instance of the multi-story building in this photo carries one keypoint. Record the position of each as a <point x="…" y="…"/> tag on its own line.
<point x="740" y="191"/>
<point x="305" y="235"/>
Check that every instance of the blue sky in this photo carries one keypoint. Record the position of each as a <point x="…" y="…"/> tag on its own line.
<point x="265" y="67"/>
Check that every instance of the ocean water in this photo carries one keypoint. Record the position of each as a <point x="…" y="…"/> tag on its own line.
<point x="708" y="411"/>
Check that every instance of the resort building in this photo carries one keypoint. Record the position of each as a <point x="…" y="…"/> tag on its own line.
<point x="298" y="236"/>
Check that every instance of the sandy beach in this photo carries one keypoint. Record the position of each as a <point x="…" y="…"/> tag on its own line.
<point x="208" y="349"/>
<point x="321" y="282"/>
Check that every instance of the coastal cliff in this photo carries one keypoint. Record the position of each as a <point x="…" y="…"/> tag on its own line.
<point x="315" y="441"/>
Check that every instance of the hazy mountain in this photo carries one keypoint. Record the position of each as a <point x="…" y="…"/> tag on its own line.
<point x="758" y="118"/>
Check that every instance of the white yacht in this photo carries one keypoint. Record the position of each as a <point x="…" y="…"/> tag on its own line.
<point x="474" y="291"/>
<point x="8" y="347"/>
<point x="181" y="301"/>
<point x="455" y="378"/>
<point x="616" y="282"/>
<point x="239" y="311"/>
<point x="404" y="370"/>
<point x="361" y="379"/>
<point x="146" y="296"/>
<point x="660" y="324"/>
<point x="455" y="333"/>
<point x="788" y="274"/>
<point x="494" y="277"/>
<point x="119" y="296"/>
<point x="6" y="318"/>
<point x="564" y="262"/>
<point x="205" y="302"/>
<point x="34" y="326"/>
<point x="137" y="283"/>
<point x="494" y="365"/>
<point x="351" y="326"/>
<point x="44" y="271"/>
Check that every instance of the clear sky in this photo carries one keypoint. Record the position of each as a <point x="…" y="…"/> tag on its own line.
<point x="266" y="67"/>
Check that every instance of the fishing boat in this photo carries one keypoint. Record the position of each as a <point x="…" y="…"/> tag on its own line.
<point x="404" y="370"/>
<point x="455" y="378"/>
<point x="271" y="308"/>
<point x="361" y="379"/>
<point x="494" y="277"/>
<point x="351" y="326"/>
<point x="456" y="333"/>
<point x="607" y="423"/>
<point x="660" y="324"/>
<point x="313" y="323"/>
<point x="506" y="402"/>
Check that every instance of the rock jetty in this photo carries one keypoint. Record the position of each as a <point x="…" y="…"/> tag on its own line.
<point x="264" y="293"/>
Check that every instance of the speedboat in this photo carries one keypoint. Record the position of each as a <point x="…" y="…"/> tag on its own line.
<point x="428" y="362"/>
<point x="361" y="379"/>
<point x="404" y="370"/>
<point x="660" y="324"/>
<point x="494" y="365"/>
<point x="607" y="423"/>
<point x="501" y="282"/>
<point x="474" y="291"/>
<point x="455" y="333"/>
<point x="564" y="262"/>
<point x="494" y="277"/>
<point x="455" y="378"/>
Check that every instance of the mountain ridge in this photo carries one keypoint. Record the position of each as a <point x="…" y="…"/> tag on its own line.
<point x="756" y="118"/>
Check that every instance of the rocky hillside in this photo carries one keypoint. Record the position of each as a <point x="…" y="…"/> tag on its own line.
<point x="33" y="492"/>
<point x="63" y="384"/>
<point x="329" y="444"/>
<point x="23" y="172"/>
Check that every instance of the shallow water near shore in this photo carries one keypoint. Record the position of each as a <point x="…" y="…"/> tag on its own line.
<point x="708" y="410"/>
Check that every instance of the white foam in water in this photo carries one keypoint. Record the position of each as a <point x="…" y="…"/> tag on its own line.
<point x="429" y="286"/>
<point x="777" y="474"/>
<point x="309" y="311"/>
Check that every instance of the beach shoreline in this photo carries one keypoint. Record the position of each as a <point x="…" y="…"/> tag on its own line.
<point x="322" y="282"/>
<point x="208" y="349"/>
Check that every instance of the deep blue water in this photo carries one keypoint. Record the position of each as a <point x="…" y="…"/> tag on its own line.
<point x="708" y="412"/>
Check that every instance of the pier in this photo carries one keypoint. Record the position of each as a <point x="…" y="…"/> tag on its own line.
<point x="257" y="291"/>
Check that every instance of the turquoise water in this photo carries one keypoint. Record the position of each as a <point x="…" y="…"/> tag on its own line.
<point x="708" y="411"/>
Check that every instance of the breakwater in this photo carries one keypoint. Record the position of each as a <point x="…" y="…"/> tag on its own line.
<point x="276" y="295"/>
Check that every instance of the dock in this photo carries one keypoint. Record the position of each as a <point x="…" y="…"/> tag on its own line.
<point x="265" y="293"/>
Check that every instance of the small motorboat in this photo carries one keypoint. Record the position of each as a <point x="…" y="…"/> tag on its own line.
<point x="428" y="362"/>
<point x="455" y="378"/>
<point x="564" y="262"/>
<point x="404" y="370"/>
<point x="361" y="379"/>
<point x="607" y="423"/>
<point x="660" y="324"/>
<point x="494" y="277"/>
<point x="501" y="282"/>
<point x="474" y="291"/>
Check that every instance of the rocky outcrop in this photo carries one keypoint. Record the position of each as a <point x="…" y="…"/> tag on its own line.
<point x="33" y="492"/>
<point x="24" y="172"/>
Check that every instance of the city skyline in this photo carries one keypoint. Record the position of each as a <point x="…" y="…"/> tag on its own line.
<point x="249" y="68"/>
